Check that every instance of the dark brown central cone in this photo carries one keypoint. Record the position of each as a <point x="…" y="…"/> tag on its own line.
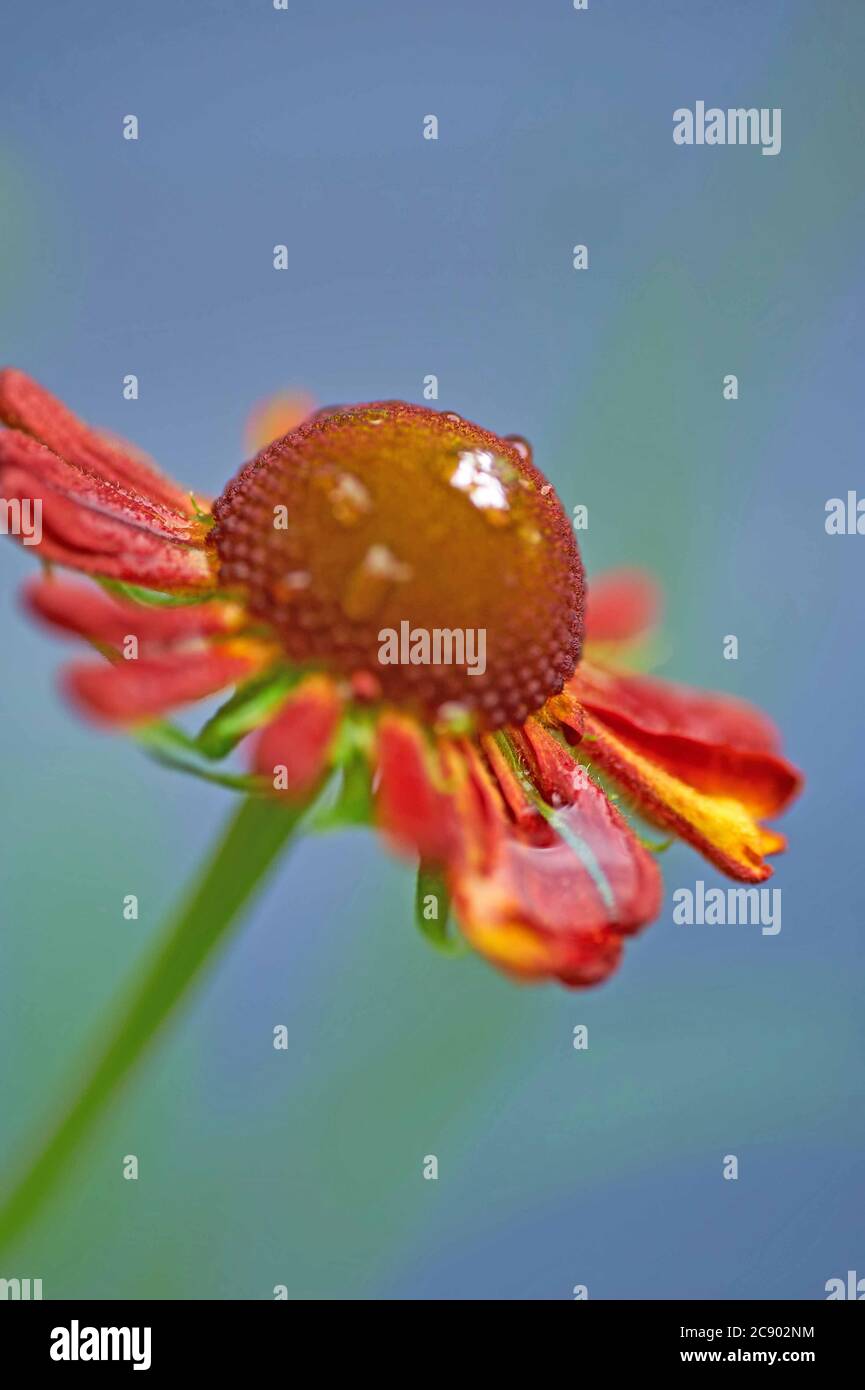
<point x="369" y="518"/>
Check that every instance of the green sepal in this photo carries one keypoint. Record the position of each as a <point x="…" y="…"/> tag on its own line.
<point x="173" y="748"/>
<point x="245" y="710"/>
<point x="155" y="598"/>
<point x="347" y="800"/>
<point x="207" y="519"/>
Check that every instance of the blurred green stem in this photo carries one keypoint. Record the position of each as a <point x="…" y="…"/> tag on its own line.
<point x="249" y="845"/>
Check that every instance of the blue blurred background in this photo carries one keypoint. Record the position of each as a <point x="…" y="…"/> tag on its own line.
<point x="409" y="257"/>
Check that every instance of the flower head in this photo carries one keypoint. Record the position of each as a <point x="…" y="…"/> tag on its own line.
<point x="398" y="599"/>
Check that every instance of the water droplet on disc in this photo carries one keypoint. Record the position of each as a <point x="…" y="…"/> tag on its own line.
<point x="522" y="446"/>
<point x="349" y="499"/>
<point x="371" y="582"/>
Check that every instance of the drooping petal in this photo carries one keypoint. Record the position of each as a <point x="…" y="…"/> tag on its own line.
<point x="501" y="914"/>
<point x="773" y="841"/>
<point x="18" y="452"/>
<point x="292" y="750"/>
<point x="719" y="826"/>
<point x="557" y="908"/>
<point x="99" y="527"/>
<point x="621" y="606"/>
<point x="127" y="692"/>
<point x="663" y="707"/>
<point x="88" y="612"/>
<point x="28" y="407"/>
<point x="514" y="789"/>
<point x="540" y="899"/>
<point x="414" y="806"/>
<point x="554" y="771"/>
<point x="762" y="782"/>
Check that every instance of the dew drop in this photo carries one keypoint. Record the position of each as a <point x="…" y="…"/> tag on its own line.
<point x="580" y="779"/>
<point x="371" y="582"/>
<point x="522" y="446"/>
<point x="349" y="499"/>
<point x="290" y="586"/>
<point x="480" y="474"/>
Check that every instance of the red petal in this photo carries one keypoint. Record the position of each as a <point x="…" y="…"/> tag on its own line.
<point x="560" y="908"/>
<point x="414" y="806"/>
<point x="90" y="613"/>
<point x="514" y="789"/>
<point x="98" y="527"/>
<point x="553" y="767"/>
<point x="27" y="406"/>
<point x="539" y="901"/>
<point x="292" y="751"/>
<point x="130" y="691"/>
<point x="664" y="708"/>
<point x="621" y="606"/>
<point x="718" y="825"/>
<point x="762" y="782"/>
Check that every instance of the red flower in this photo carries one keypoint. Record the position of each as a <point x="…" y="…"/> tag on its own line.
<point x="390" y="519"/>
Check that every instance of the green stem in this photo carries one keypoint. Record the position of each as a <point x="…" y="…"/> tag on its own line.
<point x="250" y="843"/>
